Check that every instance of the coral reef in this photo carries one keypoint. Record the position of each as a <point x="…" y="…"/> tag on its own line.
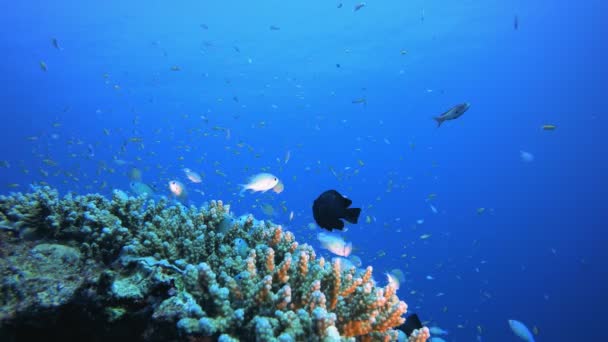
<point x="90" y="267"/>
<point x="420" y="335"/>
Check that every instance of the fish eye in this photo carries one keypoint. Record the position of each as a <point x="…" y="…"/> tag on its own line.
<point x="275" y="178"/>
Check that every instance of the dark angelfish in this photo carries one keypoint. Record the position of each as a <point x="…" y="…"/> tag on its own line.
<point x="331" y="207"/>
<point x="412" y="322"/>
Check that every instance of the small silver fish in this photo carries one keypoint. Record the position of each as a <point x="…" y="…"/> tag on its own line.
<point x="261" y="182"/>
<point x="141" y="189"/>
<point x="453" y="113"/>
<point x="520" y="330"/>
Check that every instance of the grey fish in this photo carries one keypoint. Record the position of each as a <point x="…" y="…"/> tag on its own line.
<point x="361" y="100"/>
<point x="56" y="44"/>
<point x="452" y="113"/>
<point x="140" y="189"/>
<point x="359" y="6"/>
<point x="330" y="207"/>
<point x="91" y="151"/>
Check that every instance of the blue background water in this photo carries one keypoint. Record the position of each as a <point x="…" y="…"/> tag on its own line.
<point x="536" y="254"/>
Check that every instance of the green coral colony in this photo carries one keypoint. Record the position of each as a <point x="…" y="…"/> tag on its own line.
<point x="154" y="270"/>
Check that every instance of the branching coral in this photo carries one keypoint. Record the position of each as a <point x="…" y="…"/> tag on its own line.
<point x="266" y="286"/>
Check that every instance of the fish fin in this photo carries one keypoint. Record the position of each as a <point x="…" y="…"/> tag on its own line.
<point x="339" y="225"/>
<point x="352" y="215"/>
<point x="411" y="323"/>
<point x="243" y="189"/>
<point x="346" y="201"/>
<point x="439" y="121"/>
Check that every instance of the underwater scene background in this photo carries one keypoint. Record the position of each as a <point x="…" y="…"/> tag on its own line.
<point x="496" y="215"/>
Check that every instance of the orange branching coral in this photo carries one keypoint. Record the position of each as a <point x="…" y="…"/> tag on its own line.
<point x="322" y="321"/>
<point x="317" y="300"/>
<point x="289" y="237"/>
<point x="270" y="260"/>
<point x="368" y="274"/>
<point x="420" y="335"/>
<point x="264" y="290"/>
<point x="303" y="264"/>
<point x="279" y="288"/>
<point x="337" y="279"/>
<point x="315" y="286"/>
<point x="276" y="237"/>
<point x="381" y="308"/>
<point x="292" y="248"/>
<point x="356" y="328"/>
<point x="349" y="290"/>
<point x="389" y="291"/>
<point x="282" y="274"/>
<point x="284" y="297"/>
<point x="394" y="318"/>
<point x="234" y="288"/>
<point x="251" y="263"/>
<point x="380" y="301"/>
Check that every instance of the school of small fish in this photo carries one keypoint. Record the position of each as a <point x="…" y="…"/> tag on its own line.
<point x="130" y="152"/>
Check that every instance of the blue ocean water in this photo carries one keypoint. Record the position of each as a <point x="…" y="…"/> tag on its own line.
<point x="94" y="89"/>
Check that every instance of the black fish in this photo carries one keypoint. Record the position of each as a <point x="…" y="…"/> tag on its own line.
<point x="56" y="43"/>
<point x="330" y="207"/>
<point x="359" y="6"/>
<point x="91" y="151"/>
<point x="411" y="323"/>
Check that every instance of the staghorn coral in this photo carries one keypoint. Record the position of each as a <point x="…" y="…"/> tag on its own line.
<point x="420" y="335"/>
<point x="167" y="271"/>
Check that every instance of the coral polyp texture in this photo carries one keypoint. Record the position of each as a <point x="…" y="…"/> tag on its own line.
<point x="131" y="267"/>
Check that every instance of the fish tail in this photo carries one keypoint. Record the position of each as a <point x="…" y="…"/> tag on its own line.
<point x="439" y="121"/>
<point x="352" y="215"/>
<point x="242" y="192"/>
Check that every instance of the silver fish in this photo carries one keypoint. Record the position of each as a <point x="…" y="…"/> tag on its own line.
<point x="453" y="113"/>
